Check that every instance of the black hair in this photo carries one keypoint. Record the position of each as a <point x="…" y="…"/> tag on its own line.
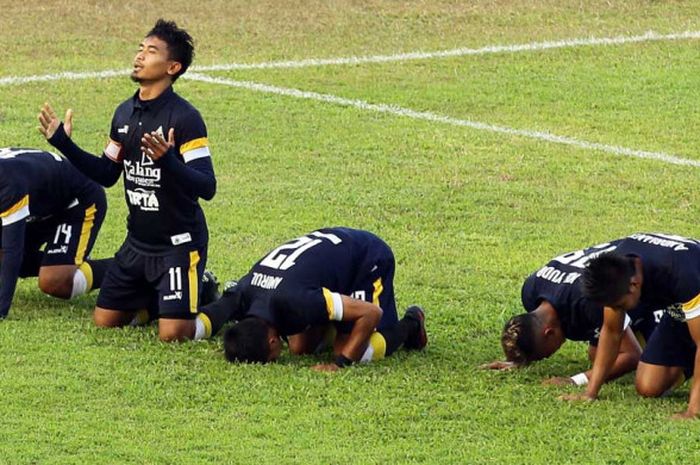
<point x="518" y="338"/>
<point x="246" y="341"/>
<point x="180" y="43"/>
<point x="606" y="279"/>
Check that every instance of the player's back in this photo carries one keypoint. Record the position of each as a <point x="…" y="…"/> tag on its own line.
<point x="50" y="181"/>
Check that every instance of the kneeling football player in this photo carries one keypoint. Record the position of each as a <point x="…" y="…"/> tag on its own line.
<point x="339" y="276"/>
<point x="557" y="311"/>
<point x="51" y="214"/>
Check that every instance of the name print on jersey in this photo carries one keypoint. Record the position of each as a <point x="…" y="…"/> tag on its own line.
<point x="144" y="199"/>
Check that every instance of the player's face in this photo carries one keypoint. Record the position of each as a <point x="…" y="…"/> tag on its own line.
<point x="550" y="341"/>
<point x="628" y="301"/>
<point x="152" y="61"/>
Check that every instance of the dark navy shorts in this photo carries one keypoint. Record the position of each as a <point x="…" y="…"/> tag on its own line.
<point x="377" y="287"/>
<point x="671" y="345"/>
<point x="169" y="282"/>
<point x="67" y="237"/>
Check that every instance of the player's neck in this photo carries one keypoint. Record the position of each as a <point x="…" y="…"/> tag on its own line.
<point x="149" y="90"/>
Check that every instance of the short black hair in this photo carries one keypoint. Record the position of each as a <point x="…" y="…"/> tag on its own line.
<point x="180" y="43"/>
<point x="246" y="341"/>
<point x="606" y="279"/>
<point x="518" y="338"/>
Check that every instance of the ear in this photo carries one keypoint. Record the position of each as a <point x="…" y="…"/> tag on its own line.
<point x="174" y="68"/>
<point x="548" y="331"/>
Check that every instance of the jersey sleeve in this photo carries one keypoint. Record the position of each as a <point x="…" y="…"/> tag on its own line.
<point x="191" y="132"/>
<point x="315" y="306"/>
<point x="114" y="149"/>
<point x="18" y="211"/>
<point x="687" y="288"/>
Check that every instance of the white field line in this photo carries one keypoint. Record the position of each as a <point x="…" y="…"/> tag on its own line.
<point x="533" y="46"/>
<point x="434" y="117"/>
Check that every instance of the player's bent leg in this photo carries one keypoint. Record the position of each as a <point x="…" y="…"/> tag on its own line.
<point x="107" y="318"/>
<point x="657" y="380"/>
<point x="57" y="280"/>
<point x="175" y="330"/>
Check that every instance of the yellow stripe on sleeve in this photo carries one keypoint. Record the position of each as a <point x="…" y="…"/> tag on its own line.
<point x="24" y="202"/>
<point x="692" y="308"/>
<point x="194" y="144"/>
<point x="88" y="223"/>
<point x="193" y="280"/>
<point x="378" y="288"/>
<point x="329" y="303"/>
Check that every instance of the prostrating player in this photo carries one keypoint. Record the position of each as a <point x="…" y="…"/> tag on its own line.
<point x="339" y="275"/>
<point x="660" y="271"/>
<point x="166" y="247"/>
<point x="557" y="311"/>
<point x="51" y="215"/>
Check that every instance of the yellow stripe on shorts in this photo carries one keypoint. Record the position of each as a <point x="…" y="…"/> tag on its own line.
<point x="88" y="223"/>
<point x="193" y="280"/>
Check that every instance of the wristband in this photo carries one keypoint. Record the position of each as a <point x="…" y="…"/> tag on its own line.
<point x="342" y="361"/>
<point x="580" y="379"/>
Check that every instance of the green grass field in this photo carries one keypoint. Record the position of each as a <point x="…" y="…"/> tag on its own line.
<point x="469" y="213"/>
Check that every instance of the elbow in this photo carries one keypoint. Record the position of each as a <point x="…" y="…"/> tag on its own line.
<point x="209" y="191"/>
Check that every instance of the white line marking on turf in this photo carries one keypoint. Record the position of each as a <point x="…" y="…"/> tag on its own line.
<point x="534" y="46"/>
<point x="434" y="117"/>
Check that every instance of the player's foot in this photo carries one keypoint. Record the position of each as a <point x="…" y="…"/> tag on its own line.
<point x="419" y="339"/>
<point x="210" y="289"/>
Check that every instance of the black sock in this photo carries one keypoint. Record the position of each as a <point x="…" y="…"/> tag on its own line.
<point x="221" y="311"/>
<point x="99" y="268"/>
<point x="396" y="335"/>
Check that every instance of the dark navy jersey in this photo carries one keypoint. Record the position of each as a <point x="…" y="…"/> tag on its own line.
<point x="558" y="283"/>
<point x="299" y="284"/>
<point x="671" y="272"/>
<point x="35" y="185"/>
<point x="163" y="212"/>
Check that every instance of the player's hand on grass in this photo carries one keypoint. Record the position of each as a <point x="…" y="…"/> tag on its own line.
<point x="500" y="365"/>
<point x="155" y="146"/>
<point x="49" y="122"/>
<point x="558" y="381"/>
<point x="685" y="416"/>
<point x="577" y="397"/>
<point x="326" y="367"/>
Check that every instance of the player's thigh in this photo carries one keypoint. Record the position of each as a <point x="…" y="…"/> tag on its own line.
<point x="109" y="318"/>
<point x="57" y="280"/>
<point x="125" y="287"/>
<point x="378" y="287"/>
<point x="175" y="329"/>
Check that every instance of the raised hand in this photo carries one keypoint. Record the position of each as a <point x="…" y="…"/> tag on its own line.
<point x="49" y="122"/>
<point x="154" y="146"/>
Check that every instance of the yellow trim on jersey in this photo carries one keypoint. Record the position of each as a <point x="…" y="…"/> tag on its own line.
<point x="86" y="269"/>
<point x="194" y="144"/>
<point x="24" y="202"/>
<point x="193" y="280"/>
<point x="329" y="303"/>
<point x="692" y="304"/>
<point x="207" y="324"/>
<point x="88" y="223"/>
<point x="378" y="288"/>
<point x="378" y="343"/>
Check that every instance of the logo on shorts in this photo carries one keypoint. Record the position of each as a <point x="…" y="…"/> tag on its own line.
<point x="62" y="249"/>
<point x="177" y="295"/>
<point x="144" y="199"/>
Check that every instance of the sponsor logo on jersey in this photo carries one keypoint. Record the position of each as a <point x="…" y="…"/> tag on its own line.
<point x="265" y="281"/>
<point x="142" y="173"/>
<point x="124" y="129"/>
<point x="144" y="199"/>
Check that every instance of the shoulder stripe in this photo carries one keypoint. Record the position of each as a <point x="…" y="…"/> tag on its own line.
<point x="17" y="212"/>
<point x="194" y="144"/>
